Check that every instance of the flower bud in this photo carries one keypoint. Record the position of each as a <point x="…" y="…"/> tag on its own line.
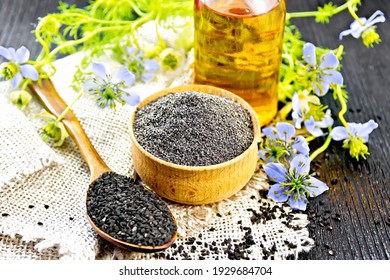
<point x="170" y="59"/>
<point x="20" y="98"/>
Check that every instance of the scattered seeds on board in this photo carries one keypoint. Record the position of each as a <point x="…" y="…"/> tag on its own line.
<point x="193" y="128"/>
<point x="126" y="211"/>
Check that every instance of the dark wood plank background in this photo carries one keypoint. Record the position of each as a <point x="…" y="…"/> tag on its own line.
<point x="352" y="219"/>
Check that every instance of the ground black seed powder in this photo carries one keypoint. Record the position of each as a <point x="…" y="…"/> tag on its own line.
<point x="125" y="210"/>
<point x="194" y="129"/>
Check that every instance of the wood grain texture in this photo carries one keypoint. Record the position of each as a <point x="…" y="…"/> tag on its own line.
<point x="357" y="206"/>
<point x="54" y="104"/>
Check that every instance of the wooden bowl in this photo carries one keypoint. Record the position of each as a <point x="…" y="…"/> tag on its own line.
<point x="196" y="184"/>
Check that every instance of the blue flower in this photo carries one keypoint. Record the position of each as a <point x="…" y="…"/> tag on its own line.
<point x="16" y="68"/>
<point x="293" y="184"/>
<point x="355" y="135"/>
<point x="356" y="29"/>
<point x="111" y="89"/>
<point x="279" y="144"/>
<point x="306" y="116"/>
<point x="132" y="98"/>
<point x="325" y="74"/>
<point x="144" y="69"/>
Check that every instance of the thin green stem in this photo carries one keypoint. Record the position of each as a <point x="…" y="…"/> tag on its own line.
<point x="316" y="13"/>
<point x="339" y="51"/>
<point x="45" y="46"/>
<point x="353" y="14"/>
<point x="343" y="104"/>
<point x="310" y="138"/>
<point x="323" y="147"/>
<point x="63" y="114"/>
<point x="92" y="19"/>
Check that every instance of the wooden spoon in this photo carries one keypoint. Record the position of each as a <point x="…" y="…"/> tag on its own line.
<point x="50" y="98"/>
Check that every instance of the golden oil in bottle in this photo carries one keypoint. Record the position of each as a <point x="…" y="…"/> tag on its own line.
<point x="238" y="46"/>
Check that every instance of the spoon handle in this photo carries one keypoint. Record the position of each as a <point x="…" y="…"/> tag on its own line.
<point x="50" y="98"/>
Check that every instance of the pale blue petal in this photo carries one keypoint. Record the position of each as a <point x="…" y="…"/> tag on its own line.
<point x="317" y="187"/>
<point x="366" y="129"/>
<point x="326" y="121"/>
<point x="329" y="60"/>
<point x="22" y="55"/>
<point x="345" y="33"/>
<point x="339" y="133"/>
<point x="29" y="71"/>
<point x="301" y="164"/>
<point x="285" y="130"/>
<point x="147" y="77"/>
<point x="309" y="54"/>
<point x="131" y="50"/>
<point x="12" y="52"/>
<point x="357" y="28"/>
<point x="312" y="127"/>
<point x="297" y="120"/>
<point x="89" y="85"/>
<point x="151" y="65"/>
<point x="324" y="87"/>
<point x="375" y="16"/>
<point x="2" y="65"/>
<point x="275" y="171"/>
<point x="133" y="99"/>
<point x="99" y="70"/>
<point x="297" y="113"/>
<point x="333" y="76"/>
<point x="296" y="103"/>
<point x="299" y="204"/>
<point x="261" y="154"/>
<point x="123" y="74"/>
<point x="16" y="80"/>
<point x="276" y="193"/>
<point x="301" y="145"/>
<point x="4" y="52"/>
<point x="270" y="132"/>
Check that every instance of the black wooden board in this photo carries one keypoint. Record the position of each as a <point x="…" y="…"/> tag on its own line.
<point x="352" y="219"/>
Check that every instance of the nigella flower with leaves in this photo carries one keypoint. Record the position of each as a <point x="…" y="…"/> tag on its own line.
<point x="355" y="137"/>
<point x="366" y="29"/>
<point x="293" y="183"/>
<point x="312" y="115"/>
<point x="324" y="75"/>
<point x="144" y="69"/>
<point x="110" y="89"/>
<point x="279" y="145"/>
<point x="17" y="68"/>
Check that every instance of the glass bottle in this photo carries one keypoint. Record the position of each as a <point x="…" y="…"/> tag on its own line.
<point x="238" y="46"/>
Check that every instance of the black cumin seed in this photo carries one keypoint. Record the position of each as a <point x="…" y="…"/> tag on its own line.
<point x="125" y="210"/>
<point x="40" y="224"/>
<point x="46" y="206"/>
<point x="31" y="206"/>
<point x="5" y="215"/>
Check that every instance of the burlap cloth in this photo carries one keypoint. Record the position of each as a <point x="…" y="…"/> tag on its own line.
<point x="42" y="191"/>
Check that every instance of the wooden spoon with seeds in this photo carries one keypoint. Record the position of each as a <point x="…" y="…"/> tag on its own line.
<point x="50" y="98"/>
